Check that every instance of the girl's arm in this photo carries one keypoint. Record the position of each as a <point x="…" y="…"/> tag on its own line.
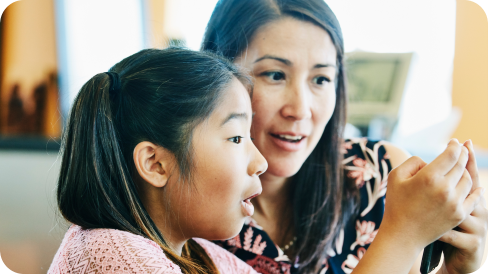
<point x="422" y="203"/>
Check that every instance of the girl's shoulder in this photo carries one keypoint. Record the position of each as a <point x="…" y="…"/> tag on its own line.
<point x="109" y="251"/>
<point x="225" y="261"/>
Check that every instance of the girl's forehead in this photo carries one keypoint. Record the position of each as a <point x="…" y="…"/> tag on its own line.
<point x="235" y="100"/>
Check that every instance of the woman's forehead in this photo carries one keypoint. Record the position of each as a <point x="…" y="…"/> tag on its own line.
<point x="294" y="40"/>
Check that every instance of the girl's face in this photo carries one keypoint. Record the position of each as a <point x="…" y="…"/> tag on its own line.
<point x="225" y="174"/>
<point x="294" y="67"/>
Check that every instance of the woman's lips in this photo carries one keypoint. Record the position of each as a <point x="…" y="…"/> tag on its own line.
<point x="288" y="141"/>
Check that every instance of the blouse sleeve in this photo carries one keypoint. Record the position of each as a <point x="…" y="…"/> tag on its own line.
<point x="367" y="164"/>
<point x="109" y="251"/>
<point x="225" y="261"/>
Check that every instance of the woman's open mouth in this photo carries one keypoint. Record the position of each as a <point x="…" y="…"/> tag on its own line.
<point x="288" y="138"/>
<point x="288" y="141"/>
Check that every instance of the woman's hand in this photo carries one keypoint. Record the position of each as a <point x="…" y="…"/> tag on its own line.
<point x="464" y="253"/>
<point x="425" y="201"/>
<point x="422" y="203"/>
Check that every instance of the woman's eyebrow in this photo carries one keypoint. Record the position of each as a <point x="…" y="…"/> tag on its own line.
<point x="282" y="60"/>
<point x="324" y="66"/>
<point x="289" y="63"/>
<point x="234" y="115"/>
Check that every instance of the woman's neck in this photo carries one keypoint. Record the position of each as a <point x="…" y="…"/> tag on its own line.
<point x="274" y="204"/>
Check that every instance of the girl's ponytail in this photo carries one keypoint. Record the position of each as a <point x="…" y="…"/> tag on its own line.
<point x="95" y="186"/>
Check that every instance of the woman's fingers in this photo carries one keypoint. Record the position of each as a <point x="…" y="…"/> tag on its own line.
<point x="460" y="239"/>
<point x="470" y="224"/>
<point x="458" y="171"/>
<point x="480" y="210"/>
<point x="463" y="187"/>
<point x="447" y="159"/>
<point x="471" y="166"/>
<point x="473" y="200"/>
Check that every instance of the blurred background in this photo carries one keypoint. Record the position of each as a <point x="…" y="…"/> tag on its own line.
<point x="417" y="72"/>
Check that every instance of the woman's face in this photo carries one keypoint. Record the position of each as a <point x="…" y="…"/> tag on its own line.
<point x="225" y="174"/>
<point x="294" y="68"/>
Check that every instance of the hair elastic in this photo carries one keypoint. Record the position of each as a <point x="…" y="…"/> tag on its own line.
<point x="115" y="82"/>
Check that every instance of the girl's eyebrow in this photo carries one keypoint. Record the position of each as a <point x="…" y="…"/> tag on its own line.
<point x="234" y="115"/>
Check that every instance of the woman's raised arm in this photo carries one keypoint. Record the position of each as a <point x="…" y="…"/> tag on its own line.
<point x="423" y="202"/>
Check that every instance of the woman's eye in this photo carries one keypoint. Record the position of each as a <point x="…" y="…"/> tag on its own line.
<point x="275" y="75"/>
<point x="320" y="80"/>
<point x="236" y="139"/>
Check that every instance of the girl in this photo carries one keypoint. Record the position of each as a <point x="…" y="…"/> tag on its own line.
<point x="157" y="151"/>
<point x="323" y="200"/>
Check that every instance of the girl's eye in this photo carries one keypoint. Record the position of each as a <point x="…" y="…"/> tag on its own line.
<point x="236" y="139"/>
<point x="320" y="80"/>
<point x="275" y="75"/>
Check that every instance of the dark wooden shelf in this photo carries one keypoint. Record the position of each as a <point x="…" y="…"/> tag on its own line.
<point x="29" y="143"/>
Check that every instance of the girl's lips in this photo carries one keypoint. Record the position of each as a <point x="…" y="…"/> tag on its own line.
<point x="247" y="206"/>
<point x="288" y="144"/>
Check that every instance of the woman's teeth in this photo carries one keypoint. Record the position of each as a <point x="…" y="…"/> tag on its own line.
<point x="291" y="138"/>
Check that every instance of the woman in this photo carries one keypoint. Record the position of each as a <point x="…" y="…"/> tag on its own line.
<point x="312" y="218"/>
<point x="157" y="151"/>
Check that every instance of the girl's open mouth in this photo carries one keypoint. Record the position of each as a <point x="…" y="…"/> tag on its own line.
<point x="248" y="208"/>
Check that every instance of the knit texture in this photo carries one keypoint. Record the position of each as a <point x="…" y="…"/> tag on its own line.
<point x="107" y="251"/>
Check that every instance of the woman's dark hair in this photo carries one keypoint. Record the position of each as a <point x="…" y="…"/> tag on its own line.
<point x="163" y="95"/>
<point x="322" y="203"/>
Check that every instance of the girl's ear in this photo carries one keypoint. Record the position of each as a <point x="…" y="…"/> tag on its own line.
<point x="153" y="163"/>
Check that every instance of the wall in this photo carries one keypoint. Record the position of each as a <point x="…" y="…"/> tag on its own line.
<point x="30" y="232"/>
<point x="470" y="74"/>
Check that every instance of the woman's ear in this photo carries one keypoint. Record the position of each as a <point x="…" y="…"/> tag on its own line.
<point x="153" y="163"/>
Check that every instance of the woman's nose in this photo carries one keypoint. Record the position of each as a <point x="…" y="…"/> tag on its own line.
<point x="297" y="104"/>
<point x="258" y="164"/>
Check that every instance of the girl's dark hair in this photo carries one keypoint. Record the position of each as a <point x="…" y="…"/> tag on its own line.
<point x="164" y="94"/>
<point x="322" y="203"/>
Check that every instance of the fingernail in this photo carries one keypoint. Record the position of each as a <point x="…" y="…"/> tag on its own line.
<point x="454" y="139"/>
<point x="470" y="144"/>
<point x="482" y="190"/>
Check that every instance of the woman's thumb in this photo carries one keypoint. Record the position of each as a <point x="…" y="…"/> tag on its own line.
<point x="409" y="168"/>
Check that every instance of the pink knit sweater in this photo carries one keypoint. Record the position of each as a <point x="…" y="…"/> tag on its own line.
<point x="105" y="251"/>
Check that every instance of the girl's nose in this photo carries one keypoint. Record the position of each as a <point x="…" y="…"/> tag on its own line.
<point x="258" y="164"/>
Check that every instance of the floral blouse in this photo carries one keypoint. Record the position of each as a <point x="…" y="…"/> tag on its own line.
<point x="368" y="164"/>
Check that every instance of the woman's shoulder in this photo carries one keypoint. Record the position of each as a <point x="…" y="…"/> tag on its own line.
<point x="365" y="159"/>
<point x="225" y="261"/>
<point x="365" y="148"/>
<point x="109" y="251"/>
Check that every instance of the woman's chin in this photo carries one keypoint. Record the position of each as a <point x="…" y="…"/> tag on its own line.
<point x="282" y="170"/>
